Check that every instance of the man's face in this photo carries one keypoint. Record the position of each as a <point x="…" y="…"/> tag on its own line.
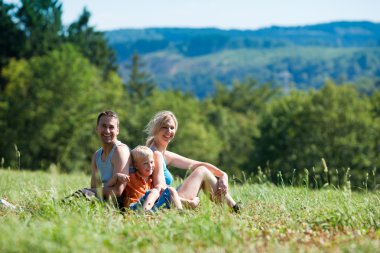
<point x="108" y="129"/>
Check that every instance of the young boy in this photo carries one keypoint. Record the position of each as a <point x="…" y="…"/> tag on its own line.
<point x="139" y="184"/>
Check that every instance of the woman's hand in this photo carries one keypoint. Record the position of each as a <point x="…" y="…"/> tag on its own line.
<point x="222" y="185"/>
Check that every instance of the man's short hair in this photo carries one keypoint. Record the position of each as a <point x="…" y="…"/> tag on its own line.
<point x="107" y="114"/>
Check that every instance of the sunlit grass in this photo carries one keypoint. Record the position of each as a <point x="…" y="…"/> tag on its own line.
<point x="273" y="219"/>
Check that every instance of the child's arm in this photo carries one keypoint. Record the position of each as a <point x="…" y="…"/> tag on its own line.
<point x="118" y="177"/>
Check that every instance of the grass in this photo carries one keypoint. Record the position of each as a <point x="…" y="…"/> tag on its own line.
<point x="273" y="219"/>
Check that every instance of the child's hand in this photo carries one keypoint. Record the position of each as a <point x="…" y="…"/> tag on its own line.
<point x="122" y="177"/>
<point x="160" y="187"/>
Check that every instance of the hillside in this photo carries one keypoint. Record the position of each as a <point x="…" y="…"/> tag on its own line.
<point x="303" y="57"/>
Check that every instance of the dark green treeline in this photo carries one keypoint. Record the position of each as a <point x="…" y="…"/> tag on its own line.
<point x="54" y="83"/>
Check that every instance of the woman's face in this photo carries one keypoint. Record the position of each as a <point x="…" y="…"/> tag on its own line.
<point x="166" y="132"/>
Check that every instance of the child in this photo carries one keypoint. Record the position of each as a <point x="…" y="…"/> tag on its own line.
<point x="139" y="190"/>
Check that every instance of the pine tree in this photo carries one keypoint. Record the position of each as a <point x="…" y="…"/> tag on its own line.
<point x="140" y="83"/>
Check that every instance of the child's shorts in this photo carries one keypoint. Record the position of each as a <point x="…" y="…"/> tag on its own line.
<point x="162" y="202"/>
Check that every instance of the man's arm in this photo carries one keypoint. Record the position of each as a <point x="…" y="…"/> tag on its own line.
<point x="121" y="161"/>
<point x="94" y="173"/>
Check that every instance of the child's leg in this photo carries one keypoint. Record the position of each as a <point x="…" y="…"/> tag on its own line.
<point x="167" y="198"/>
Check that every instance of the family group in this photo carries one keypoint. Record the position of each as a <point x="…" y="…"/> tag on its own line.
<point x="140" y="179"/>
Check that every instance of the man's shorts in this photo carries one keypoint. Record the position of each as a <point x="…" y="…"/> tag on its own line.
<point x="91" y="195"/>
<point x="162" y="202"/>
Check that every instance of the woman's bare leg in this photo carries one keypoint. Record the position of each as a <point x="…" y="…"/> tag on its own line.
<point x="202" y="178"/>
<point x="175" y="199"/>
<point x="230" y="201"/>
<point x="190" y="203"/>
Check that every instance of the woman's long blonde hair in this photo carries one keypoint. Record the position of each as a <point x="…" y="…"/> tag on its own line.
<point x="156" y="123"/>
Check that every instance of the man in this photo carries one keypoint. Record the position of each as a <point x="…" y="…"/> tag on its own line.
<point x="113" y="157"/>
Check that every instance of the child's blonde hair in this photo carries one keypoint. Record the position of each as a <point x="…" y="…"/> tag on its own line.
<point x="140" y="152"/>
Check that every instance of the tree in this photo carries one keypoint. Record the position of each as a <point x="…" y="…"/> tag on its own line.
<point x="234" y="111"/>
<point x="375" y="102"/>
<point x="40" y="21"/>
<point x="35" y="28"/>
<point x="334" y="123"/>
<point x="52" y="87"/>
<point x="140" y="83"/>
<point x="235" y="131"/>
<point x="91" y="43"/>
<point x="12" y="39"/>
<point x="245" y="96"/>
<point x="195" y="138"/>
<point x="51" y="111"/>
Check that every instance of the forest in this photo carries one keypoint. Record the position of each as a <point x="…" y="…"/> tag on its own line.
<point x="301" y="57"/>
<point x="55" y="79"/>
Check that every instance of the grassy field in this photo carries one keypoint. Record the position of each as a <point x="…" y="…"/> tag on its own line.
<point x="273" y="219"/>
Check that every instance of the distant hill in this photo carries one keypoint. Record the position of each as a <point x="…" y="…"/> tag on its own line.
<point x="303" y="57"/>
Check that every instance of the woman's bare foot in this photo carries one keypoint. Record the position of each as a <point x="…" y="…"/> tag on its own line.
<point x="191" y="203"/>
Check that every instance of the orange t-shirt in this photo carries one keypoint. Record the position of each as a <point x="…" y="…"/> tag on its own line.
<point x="136" y="188"/>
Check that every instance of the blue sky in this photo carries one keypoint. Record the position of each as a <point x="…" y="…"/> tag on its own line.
<point x="225" y="14"/>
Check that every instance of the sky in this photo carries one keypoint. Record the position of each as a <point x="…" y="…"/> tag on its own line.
<point x="224" y="14"/>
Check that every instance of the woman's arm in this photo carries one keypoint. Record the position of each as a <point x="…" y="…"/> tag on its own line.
<point x="182" y="162"/>
<point x="158" y="172"/>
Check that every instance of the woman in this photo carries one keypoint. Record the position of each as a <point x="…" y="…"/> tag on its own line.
<point x="161" y="130"/>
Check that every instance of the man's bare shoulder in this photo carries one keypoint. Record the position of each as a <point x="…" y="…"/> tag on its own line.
<point x="122" y="147"/>
<point x="93" y="157"/>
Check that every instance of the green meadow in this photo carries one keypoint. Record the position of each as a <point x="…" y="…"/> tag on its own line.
<point x="273" y="219"/>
